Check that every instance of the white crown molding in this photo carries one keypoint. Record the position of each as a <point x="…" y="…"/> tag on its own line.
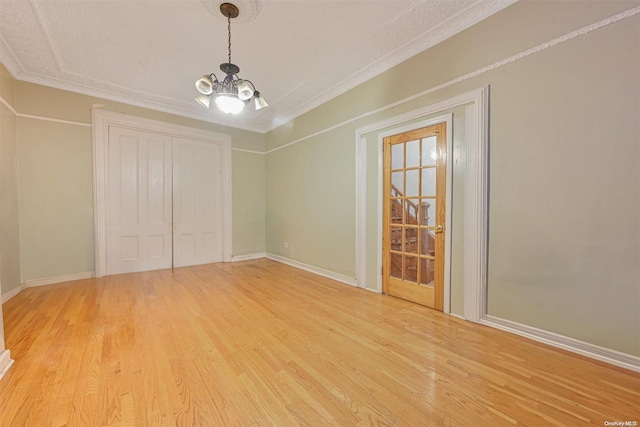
<point x="448" y="28"/>
<point x="513" y="58"/>
<point x="128" y="99"/>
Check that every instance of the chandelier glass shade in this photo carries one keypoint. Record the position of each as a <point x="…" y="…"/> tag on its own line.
<point x="232" y="93"/>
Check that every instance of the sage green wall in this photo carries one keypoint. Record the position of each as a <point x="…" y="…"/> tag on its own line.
<point x="9" y="214"/>
<point x="310" y="202"/>
<point x="56" y="201"/>
<point x="564" y="248"/>
<point x="7" y="86"/>
<point x="564" y="159"/>
<point x="248" y="203"/>
<point x="9" y="237"/>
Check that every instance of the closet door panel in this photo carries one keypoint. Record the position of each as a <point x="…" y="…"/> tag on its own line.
<point x="139" y="217"/>
<point x="197" y="202"/>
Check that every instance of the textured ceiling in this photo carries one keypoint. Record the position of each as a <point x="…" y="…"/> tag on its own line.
<point x="298" y="53"/>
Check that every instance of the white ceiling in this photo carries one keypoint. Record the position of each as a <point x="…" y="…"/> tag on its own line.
<point x="298" y="53"/>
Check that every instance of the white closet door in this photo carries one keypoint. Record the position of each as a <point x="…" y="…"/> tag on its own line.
<point x="139" y="236"/>
<point x="197" y="202"/>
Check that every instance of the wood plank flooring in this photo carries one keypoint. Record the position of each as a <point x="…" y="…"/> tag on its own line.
<point x="259" y="343"/>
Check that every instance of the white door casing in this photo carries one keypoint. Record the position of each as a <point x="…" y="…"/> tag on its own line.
<point x="197" y="211"/>
<point x="102" y="120"/>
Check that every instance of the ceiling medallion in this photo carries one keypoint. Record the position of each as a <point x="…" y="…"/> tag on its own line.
<point x="248" y="10"/>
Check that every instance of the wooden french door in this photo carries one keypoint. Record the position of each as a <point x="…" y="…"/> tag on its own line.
<point x="414" y="215"/>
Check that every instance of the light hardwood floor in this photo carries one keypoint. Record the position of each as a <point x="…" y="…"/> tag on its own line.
<point x="259" y="343"/>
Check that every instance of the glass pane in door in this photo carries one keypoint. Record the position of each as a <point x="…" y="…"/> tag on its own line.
<point x="428" y="182"/>
<point x="396" y="213"/>
<point x="396" y="265"/>
<point x="428" y="211"/>
<point x="397" y="184"/>
<point x="411" y="268"/>
<point x="413" y="183"/>
<point x="397" y="156"/>
<point x="427" y="271"/>
<point x="413" y="154"/>
<point x="396" y="239"/>
<point x="429" y="151"/>
<point x="427" y="242"/>
<point x="411" y="240"/>
<point x="412" y="212"/>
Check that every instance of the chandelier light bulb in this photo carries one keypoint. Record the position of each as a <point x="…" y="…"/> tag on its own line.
<point x="229" y="104"/>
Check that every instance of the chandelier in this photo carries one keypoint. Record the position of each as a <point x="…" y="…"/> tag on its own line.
<point x="232" y="93"/>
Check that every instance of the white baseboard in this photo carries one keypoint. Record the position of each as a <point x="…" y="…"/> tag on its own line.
<point x="5" y="362"/>
<point x="593" y="351"/>
<point x="58" y="279"/>
<point x="375" y="291"/>
<point x="236" y="258"/>
<point x="12" y="293"/>
<point x="316" y="270"/>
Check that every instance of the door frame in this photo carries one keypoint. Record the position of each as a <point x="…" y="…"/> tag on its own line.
<point x="101" y="120"/>
<point x="475" y="199"/>
<point x="447" y="119"/>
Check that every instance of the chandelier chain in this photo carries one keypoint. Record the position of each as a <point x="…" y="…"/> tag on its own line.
<point x="229" y="33"/>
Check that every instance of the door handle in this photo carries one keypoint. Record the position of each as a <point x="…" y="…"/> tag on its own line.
<point x="439" y="228"/>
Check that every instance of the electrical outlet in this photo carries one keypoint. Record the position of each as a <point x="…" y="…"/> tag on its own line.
<point x="286" y="245"/>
